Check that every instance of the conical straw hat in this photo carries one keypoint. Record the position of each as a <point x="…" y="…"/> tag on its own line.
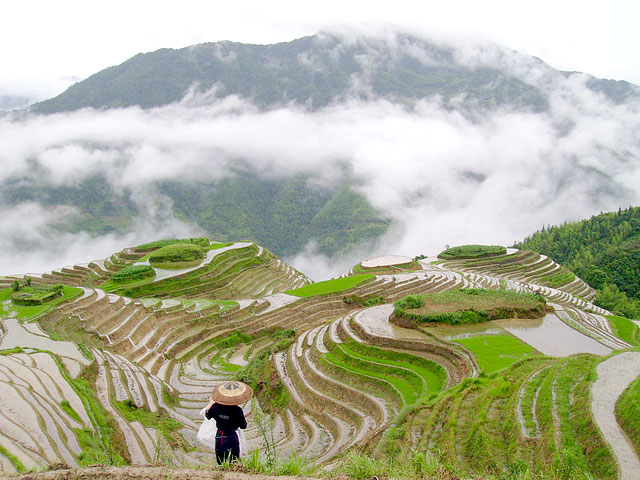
<point x="231" y="393"/>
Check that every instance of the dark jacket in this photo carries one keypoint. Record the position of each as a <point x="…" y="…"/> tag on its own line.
<point x="227" y="417"/>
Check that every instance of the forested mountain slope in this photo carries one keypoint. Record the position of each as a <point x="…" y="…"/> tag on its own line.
<point x="316" y="71"/>
<point x="603" y="250"/>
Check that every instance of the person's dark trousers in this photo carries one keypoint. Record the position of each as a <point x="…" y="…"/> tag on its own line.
<point x="227" y="446"/>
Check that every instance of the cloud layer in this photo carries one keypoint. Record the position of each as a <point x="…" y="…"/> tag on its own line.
<point x="441" y="176"/>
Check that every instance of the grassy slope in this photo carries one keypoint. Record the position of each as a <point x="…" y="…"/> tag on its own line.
<point x="330" y="286"/>
<point x="628" y="412"/>
<point x="625" y="329"/>
<point x="495" y="352"/>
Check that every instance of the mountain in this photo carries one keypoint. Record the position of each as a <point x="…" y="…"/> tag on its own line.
<point x="314" y="71"/>
<point x="204" y="106"/>
<point x="13" y="102"/>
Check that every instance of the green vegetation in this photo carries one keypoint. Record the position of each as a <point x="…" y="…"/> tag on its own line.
<point x="472" y="251"/>
<point x="32" y="296"/>
<point x="181" y="252"/>
<point x="473" y="428"/>
<point x="625" y="329"/>
<point x="211" y="279"/>
<point x="17" y="464"/>
<point x="262" y="376"/>
<point x="420" y="465"/>
<point x="495" y="352"/>
<point x="104" y="444"/>
<point x="469" y="306"/>
<point x="267" y="76"/>
<point x="611" y="298"/>
<point x="331" y="286"/>
<point x="281" y="214"/>
<point x="160" y="420"/>
<point x="68" y="409"/>
<point x="200" y="241"/>
<point x="604" y="251"/>
<point x="413" y="376"/>
<point x="133" y="273"/>
<point x="34" y="311"/>
<point x="628" y="412"/>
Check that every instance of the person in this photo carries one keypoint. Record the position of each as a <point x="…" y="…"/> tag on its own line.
<point x="225" y="408"/>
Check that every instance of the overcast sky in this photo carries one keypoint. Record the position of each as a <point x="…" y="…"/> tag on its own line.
<point x="44" y="42"/>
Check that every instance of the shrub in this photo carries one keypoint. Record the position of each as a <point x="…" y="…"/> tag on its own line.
<point x="33" y="296"/>
<point x="133" y="272"/>
<point x="472" y="251"/>
<point x="471" y="305"/>
<point x="183" y="252"/>
<point x="200" y="241"/>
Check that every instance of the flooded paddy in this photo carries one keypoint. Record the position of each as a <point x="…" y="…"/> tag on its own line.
<point x="551" y="336"/>
<point x="386" y="261"/>
<point x="375" y="321"/>
<point x="17" y="335"/>
<point x="450" y="332"/>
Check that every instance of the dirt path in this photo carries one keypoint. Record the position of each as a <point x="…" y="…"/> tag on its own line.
<point x="614" y="375"/>
<point x="145" y="473"/>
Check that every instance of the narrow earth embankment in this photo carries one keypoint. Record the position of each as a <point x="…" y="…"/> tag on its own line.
<point x="145" y="473"/>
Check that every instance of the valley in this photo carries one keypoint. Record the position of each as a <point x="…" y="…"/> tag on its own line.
<point x="116" y="369"/>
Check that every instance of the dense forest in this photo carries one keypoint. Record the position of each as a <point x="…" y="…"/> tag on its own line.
<point x="604" y="251"/>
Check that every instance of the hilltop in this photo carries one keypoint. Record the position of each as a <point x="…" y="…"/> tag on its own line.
<point x="317" y="71"/>
<point x="113" y="366"/>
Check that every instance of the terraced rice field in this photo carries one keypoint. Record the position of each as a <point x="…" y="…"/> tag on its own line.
<point x="119" y="373"/>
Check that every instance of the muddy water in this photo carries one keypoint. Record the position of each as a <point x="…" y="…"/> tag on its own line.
<point x="16" y="335"/>
<point x="278" y="300"/>
<point x="386" y="261"/>
<point x="375" y="321"/>
<point x="237" y="357"/>
<point x="465" y="331"/>
<point x="551" y="336"/>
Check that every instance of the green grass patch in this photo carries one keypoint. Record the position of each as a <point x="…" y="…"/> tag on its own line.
<point x="495" y="352"/>
<point x="105" y="444"/>
<point x="216" y="245"/>
<point x="181" y="252"/>
<point x="473" y="305"/>
<point x="133" y="272"/>
<point x="624" y="329"/>
<point x="559" y="279"/>
<point x="160" y="420"/>
<point x="201" y="241"/>
<point x="331" y="286"/>
<point x="15" y="461"/>
<point x="34" y="296"/>
<point x="33" y="311"/>
<point x="472" y="251"/>
<point x="628" y="412"/>
<point x="260" y="373"/>
<point x="68" y="409"/>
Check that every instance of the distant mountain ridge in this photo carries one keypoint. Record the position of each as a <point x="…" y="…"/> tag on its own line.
<point x="314" y="71"/>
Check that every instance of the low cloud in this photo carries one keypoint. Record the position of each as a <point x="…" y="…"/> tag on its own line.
<point x="441" y="177"/>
